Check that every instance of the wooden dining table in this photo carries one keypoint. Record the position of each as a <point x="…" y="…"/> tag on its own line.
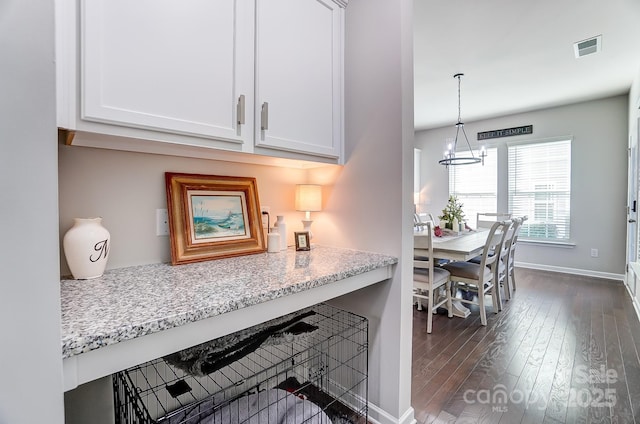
<point x="456" y="247"/>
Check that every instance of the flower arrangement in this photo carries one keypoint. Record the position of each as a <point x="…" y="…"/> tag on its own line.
<point x="452" y="211"/>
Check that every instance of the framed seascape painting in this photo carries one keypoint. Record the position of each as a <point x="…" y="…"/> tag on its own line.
<point x="212" y="217"/>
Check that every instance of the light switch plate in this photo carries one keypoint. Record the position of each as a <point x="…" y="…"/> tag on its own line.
<point x="162" y="222"/>
<point x="265" y="218"/>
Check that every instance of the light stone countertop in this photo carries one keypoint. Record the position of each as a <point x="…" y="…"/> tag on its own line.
<point x="131" y="302"/>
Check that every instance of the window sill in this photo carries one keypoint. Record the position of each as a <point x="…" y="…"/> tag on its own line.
<point x="563" y="244"/>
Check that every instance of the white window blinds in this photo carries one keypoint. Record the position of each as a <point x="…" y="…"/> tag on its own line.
<point x="476" y="186"/>
<point x="540" y="187"/>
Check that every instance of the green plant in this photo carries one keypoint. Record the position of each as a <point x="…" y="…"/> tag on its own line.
<point x="452" y="211"/>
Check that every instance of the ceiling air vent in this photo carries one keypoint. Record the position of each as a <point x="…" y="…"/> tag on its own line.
<point x="587" y="47"/>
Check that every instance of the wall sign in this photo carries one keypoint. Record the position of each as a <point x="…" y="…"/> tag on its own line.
<point x="507" y="132"/>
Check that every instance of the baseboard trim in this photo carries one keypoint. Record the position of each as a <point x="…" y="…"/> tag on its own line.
<point x="383" y="417"/>
<point x="634" y="272"/>
<point x="636" y="306"/>
<point x="408" y="417"/>
<point x="575" y="271"/>
<point x="634" y="302"/>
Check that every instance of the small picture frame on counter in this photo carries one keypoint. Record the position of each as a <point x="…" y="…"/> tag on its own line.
<point x="302" y="240"/>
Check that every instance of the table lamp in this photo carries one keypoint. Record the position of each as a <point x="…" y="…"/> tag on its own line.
<point x="308" y="199"/>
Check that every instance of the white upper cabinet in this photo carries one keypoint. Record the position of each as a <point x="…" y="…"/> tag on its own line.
<point x="299" y="76"/>
<point x="177" y="66"/>
<point x="251" y="76"/>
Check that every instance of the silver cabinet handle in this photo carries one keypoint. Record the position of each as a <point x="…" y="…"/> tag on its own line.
<point x="264" y="116"/>
<point x="240" y="110"/>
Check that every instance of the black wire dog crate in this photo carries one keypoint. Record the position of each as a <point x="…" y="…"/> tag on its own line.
<point x="310" y="366"/>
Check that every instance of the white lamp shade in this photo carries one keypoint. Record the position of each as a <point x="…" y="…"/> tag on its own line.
<point x="308" y="197"/>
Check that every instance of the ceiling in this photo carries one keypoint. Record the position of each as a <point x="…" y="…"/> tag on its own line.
<point x="518" y="55"/>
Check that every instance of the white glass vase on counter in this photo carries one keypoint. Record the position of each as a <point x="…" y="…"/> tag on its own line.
<point x="86" y="248"/>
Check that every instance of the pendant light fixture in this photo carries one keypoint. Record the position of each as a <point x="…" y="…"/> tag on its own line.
<point x="451" y="157"/>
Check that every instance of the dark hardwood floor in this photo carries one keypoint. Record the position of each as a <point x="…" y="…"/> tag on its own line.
<point x="563" y="350"/>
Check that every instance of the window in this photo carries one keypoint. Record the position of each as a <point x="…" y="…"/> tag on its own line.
<point x="540" y="187"/>
<point x="476" y="186"/>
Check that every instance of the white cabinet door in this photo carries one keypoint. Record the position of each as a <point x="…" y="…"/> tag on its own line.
<point x="299" y="76"/>
<point x="178" y="66"/>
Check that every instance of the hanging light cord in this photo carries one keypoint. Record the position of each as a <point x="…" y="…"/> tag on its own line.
<point x="460" y="124"/>
<point x="459" y="108"/>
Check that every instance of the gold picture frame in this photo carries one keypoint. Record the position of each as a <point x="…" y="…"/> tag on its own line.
<point x="212" y="217"/>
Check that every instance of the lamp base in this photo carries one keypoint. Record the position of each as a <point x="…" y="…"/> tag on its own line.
<point x="306" y="226"/>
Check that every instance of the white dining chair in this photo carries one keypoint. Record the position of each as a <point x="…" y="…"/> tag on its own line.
<point x="420" y="219"/>
<point x="501" y="269"/>
<point x="419" y="222"/>
<point x="510" y="274"/>
<point x="486" y="219"/>
<point x="428" y="279"/>
<point x="479" y="278"/>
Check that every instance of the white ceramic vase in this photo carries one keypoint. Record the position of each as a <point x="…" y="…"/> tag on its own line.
<point x="273" y="242"/>
<point x="86" y="248"/>
<point x="282" y="230"/>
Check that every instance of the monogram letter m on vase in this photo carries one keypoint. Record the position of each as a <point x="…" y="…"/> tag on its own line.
<point x="86" y="248"/>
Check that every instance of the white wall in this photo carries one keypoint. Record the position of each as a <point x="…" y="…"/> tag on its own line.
<point x="634" y="103"/>
<point x="373" y="194"/>
<point x="599" y="179"/>
<point x="367" y="203"/>
<point x="634" y="106"/>
<point x="126" y="188"/>
<point x="30" y="356"/>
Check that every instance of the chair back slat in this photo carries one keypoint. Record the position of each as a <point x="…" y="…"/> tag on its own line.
<point x="426" y="243"/>
<point x="514" y="240"/>
<point x="517" y="233"/>
<point x="495" y="242"/>
<point x="511" y="243"/>
<point x="509" y="276"/>
<point x="508" y="239"/>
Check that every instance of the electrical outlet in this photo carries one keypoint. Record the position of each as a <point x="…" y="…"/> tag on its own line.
<point x="594" y="253"/>
<point x="265" y="210"/>
<point x="162" y="222"/>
